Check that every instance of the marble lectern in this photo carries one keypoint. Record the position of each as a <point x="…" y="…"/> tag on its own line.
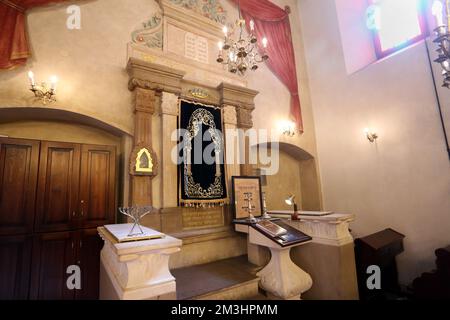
<point x="137" y="270"/>
<point x="280" y="278"/>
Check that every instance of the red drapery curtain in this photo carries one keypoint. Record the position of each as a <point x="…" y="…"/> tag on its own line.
<point x="272" y="22"/>
<point x="14" y="49"/>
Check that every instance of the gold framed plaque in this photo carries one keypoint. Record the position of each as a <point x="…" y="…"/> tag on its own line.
<point x="247" y="197"/>
<point x="143" y="161"/>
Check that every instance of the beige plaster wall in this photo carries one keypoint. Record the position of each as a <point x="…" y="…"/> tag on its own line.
<point x="402" y="181"/>
<point x="90" y="64"/>
<point x="283" y="184"/>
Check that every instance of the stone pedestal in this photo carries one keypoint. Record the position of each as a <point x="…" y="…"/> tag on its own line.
<point x="329" y="258"/>
<point x="280" y="278"/>
<point x="137" y="270"/>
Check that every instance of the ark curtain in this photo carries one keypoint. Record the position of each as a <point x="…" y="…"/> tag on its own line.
<point x="202" y="178"/>
<point x="14" y="50"/>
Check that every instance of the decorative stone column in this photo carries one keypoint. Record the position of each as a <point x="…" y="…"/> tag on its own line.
<point x="169" y="114"/>
<point x="243" y="100"/>
<point x="148" y="81"/>
<point x="231" y="142"/>
<point x="144" y="108"/>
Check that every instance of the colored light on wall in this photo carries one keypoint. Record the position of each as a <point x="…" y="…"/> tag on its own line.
<point x="396" y="24"/>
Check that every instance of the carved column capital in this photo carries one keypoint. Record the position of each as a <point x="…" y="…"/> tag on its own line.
<point x="244" y="118"/>
<point x="144" y="100"/>
<point x="229" y="115"/>
<point x="169" y="104"/>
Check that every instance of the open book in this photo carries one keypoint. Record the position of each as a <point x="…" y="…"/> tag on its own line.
<point x="271" y="228"/>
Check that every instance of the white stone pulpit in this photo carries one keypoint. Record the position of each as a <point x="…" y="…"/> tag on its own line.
<point x="137" y="270"/>
<point x="280" y="278"/>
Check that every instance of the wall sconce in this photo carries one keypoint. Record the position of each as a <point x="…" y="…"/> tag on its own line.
<point x="288" y="128"/>
<point x="43" y="92"/>
<point x="371" y="136"/>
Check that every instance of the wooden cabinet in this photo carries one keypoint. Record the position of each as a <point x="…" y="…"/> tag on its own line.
<point x="53" y="253"/>
<point x="58" y="184"/>
<point x="97" y="185"/>
<point x="53" y="195"/>
<point x="90" y="245"/>
<point x="18" y="177"/>
<point x="15" y="263"/>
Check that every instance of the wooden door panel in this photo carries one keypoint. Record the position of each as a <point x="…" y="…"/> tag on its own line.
<point x="53" y="253"/>
<point x="57" y="199"/>
<point x="90" y="246"/>
<point x="18" y="178"/>
<point x="15" y="259"/>
<point x="97" y="185"/>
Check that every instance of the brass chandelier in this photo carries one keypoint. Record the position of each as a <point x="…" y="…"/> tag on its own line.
<point x="241" y="54"/>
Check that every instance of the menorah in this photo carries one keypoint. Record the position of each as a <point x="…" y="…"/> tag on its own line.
<point x="136" y="214"/>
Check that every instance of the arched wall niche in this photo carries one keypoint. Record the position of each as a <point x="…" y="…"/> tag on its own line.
<point x="66" y="126"/>
<point x="297" y="174"/>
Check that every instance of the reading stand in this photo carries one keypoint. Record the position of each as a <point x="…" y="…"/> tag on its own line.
<point x="281" y="278"/>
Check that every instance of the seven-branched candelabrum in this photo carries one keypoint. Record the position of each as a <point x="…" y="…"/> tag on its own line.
<point x="136" y="214"/>
<point x="241" y="54"/>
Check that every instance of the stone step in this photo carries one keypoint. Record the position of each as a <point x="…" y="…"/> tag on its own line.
<point x="229" y="279"/>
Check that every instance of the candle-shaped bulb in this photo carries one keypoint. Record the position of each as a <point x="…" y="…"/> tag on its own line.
<point x="225" y="30"/>
<point x="438" y="12"/>
<point x="53" y="81"/>
<point x="252" y="25"/>
<point x="220" y="45"/>
<point x="31" y="77"/>
<point x="265" y="42"/>
<point x="232" y="56"/>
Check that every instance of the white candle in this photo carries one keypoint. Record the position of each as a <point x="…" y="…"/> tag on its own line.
<point x="220" y="45"/>
<point x="53" y="81"/>
<point x="225" y="30"/>
<point x="31" y="77"/>
<point x="438" y="12"/>
<point x="264" y="41"/>
<point x="252" y="25"/>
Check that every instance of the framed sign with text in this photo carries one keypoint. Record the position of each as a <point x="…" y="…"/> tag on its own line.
<point x="247" y="197"/>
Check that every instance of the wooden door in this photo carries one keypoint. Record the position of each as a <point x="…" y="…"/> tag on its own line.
<point x="57" y="196"/>
<point x="97" y="185"/>
<point x="18" y="178"/>
<point x="15" y="262"/>
<point x="90" y="245"/>
<point x="53" y="253"/>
